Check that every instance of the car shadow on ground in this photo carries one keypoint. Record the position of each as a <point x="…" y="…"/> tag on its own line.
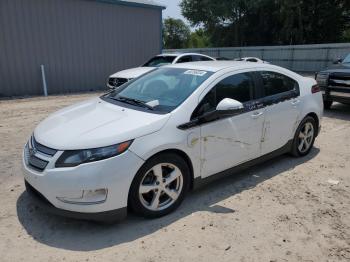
<point x="77" y="235"/>
<point x="338" y="111"/>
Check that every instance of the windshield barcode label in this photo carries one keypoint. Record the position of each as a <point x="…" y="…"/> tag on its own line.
<point x="195" y="72"/>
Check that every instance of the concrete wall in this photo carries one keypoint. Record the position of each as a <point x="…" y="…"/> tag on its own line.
<point x="80" y="42"/>
<point x="300" y="58"/>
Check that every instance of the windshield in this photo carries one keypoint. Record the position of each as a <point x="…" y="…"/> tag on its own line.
<point x="346" y="59"/>
<point x="160" y="61"/>
<point x="162" y="90"/>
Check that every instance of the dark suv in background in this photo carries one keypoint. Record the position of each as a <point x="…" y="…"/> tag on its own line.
<point x="335" y="83"/>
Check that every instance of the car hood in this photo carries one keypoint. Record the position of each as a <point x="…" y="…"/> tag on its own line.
<point x="95" y="123"/>
<point x="339" y="68"/>
<point x="133" y="72"/>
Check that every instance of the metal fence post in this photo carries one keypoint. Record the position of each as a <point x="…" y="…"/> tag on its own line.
<point x="44" y="79"/>
<point x="292" y="59"/>
<point x="327" y="58"/>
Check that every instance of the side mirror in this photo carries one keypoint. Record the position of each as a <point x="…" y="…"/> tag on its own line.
<point x="337" y="61"/>
<point x="228" y="105"/>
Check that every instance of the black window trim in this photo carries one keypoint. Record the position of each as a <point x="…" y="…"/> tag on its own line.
<point x="257" y="93"/>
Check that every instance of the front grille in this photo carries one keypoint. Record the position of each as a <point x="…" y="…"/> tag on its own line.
<point x="33" y="161"/>
<point x="43" y="149"/>
<point x="340" y="75"/>
<point x="339" y="81"/>
<point x="37" y="163"/>
<point x="117" y="81"/>
<point x="36" y="155"/>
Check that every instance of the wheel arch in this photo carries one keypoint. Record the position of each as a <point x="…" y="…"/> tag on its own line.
<point x="317" y="120"/>
<point x="183" y="155"/>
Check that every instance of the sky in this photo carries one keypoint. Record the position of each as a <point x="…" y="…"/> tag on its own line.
<point x="172" y="10"/>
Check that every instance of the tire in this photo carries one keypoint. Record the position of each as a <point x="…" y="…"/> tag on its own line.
<point x="327" y="104"/>
<point x="306" y="128"/>
<point x="154" y="179"/>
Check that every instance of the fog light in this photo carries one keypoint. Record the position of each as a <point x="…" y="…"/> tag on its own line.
<point x="88" y="197"/>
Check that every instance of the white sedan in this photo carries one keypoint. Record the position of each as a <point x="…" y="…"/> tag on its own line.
<point x="251" y="59"/>
<point x="124" y="76"/>
<point x="143" y="146"/>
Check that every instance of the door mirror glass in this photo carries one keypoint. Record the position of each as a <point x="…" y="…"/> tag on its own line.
<point x="228" y="104"/>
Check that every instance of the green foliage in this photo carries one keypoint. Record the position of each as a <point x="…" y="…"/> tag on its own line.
<point x="176" y="34"/>
<point x="199" y="39"/>
<point x="270" y="22"/>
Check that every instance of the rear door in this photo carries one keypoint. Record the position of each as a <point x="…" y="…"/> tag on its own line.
<point x="280" y="96"/>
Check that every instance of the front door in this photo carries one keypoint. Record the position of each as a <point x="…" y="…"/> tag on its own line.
<point x="230" y="141"/>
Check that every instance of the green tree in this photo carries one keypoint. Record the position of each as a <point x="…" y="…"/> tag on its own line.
<point x="269" y="22"/>
<point x="176" y="34"/>
<point x="199" y="39"/>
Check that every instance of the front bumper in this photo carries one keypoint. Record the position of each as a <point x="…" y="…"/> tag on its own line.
<point x="113" y="174"/>
<point x="106" y="217"/>
<point x="336" y="96"/>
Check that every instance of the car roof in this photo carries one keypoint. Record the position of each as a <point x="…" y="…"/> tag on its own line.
<point x="215" y="66"/>
<point x="180" y="54"/>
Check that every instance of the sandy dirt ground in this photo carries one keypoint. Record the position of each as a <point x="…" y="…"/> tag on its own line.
<point x="287" y="209"/>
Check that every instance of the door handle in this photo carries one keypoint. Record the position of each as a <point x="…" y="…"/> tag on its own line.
<point x="295" y="102"/>
<point x="257" y="115"/>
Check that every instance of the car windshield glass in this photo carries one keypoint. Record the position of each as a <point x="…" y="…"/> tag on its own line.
<point x="160" y="61"/>
<point x="162" y="90"/>
<point x="347" y="59"/>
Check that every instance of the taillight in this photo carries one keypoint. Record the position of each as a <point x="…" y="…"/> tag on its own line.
<point x="315" y="89"/>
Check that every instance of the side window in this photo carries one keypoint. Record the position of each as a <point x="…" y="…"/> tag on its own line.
<point x="184" y="59"/>
<point x="252" y="60"/>
<point x="275" y="83"/>
<point x="204" y="58"/>
<point x="196" y="58"/>
<point x="239" y="87"/>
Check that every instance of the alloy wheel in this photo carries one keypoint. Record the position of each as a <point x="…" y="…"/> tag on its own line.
<point x="161" y="186"/>
<point x="306" y="137"/>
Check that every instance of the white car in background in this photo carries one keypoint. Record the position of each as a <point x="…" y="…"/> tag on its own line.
<point x="124" y="76"/>
<point x="143" y="146"/>
<point x="251" y="59"/>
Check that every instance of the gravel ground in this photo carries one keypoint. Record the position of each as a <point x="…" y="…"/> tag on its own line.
<point x="284" y="210"/>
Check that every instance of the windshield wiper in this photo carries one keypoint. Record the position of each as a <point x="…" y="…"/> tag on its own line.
<point x="132" y="101"/>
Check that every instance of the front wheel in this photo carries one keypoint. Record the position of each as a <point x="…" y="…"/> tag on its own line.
<point x="160" y="185"/>
<point x="304" y="137"/>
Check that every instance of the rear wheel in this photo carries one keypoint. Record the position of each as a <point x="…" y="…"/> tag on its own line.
<point x="304" y="137"/>
<point x="327" y="104"/>
<point x="160" y="185"/>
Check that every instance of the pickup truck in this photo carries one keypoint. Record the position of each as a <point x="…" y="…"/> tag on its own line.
<point x="335" y="82"/>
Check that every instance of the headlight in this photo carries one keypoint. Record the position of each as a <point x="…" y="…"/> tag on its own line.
<point x="322" y="79"/>
<point x="72" y="158"/>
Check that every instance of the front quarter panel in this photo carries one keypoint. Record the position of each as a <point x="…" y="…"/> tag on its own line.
<point x="170" y="138"/>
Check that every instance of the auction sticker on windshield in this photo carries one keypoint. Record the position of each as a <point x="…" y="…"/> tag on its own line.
<point x="195" y="72"/>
